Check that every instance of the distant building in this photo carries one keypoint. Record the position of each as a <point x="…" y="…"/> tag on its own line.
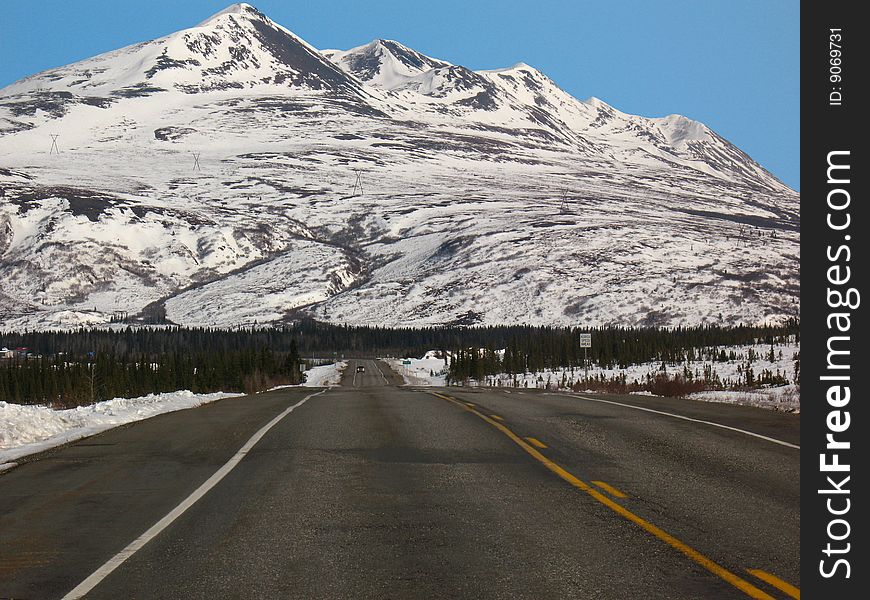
<point x="9" y="354"/>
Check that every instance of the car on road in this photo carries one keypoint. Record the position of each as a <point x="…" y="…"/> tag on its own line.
<point x="360" y="369"/>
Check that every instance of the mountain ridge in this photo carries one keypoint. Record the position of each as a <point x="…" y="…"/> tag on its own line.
<point x="458" y="171"/>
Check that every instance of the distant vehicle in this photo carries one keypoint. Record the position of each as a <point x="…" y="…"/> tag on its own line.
<point x="360" y="369"/>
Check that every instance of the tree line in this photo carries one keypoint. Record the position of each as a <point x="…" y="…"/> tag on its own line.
<point x="545" y="346"/>
<point x="539" y="350"/>
<point x="85" y="365"/>
<point x="65" y="380"/>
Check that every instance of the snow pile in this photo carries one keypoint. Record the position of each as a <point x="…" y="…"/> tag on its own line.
<point x="428" y="370"/>
<point x="324" y="375"/>
<point x="28" y="429"/>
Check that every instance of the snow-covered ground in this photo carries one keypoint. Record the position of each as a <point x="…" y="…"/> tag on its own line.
<point x="785" y="397"/>
<point x="28" y="429"/>
<point x="324" y="375"/>
<point x="729" y="371"/>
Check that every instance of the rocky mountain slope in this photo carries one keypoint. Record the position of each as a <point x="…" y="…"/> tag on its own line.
<point x="230" y="173"/>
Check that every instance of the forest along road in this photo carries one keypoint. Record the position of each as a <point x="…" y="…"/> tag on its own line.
<point x="370" y="490"/>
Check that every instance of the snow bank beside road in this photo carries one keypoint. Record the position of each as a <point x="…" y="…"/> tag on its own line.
<point x="324" y="375"/>
<point x="28" y="429"/>
<point x="429" y="370"/>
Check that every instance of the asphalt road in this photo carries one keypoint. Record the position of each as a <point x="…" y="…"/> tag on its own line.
<point x="370" y="490"/>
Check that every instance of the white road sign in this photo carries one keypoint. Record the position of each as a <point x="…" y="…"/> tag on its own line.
<point x="585" y="340"/>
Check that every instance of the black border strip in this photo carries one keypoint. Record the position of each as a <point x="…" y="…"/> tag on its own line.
<point x="832" y="112"/>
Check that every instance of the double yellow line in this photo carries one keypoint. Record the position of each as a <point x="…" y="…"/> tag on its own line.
<point x="718" y="570"/>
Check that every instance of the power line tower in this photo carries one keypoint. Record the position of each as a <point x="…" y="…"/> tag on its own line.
<point x="54" y="149"/>
<point x="196" y="161"/>
<point x="357" y="184"/>
<point x="563" y="206"/>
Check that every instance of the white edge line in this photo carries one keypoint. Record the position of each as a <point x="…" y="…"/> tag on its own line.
<point x="113" y="563"/>
<point x="659" y="412"/>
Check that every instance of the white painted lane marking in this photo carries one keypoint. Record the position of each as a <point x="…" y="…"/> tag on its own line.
<point x="97" y="576"/>
<point x="659" y="412"/>
<point x="381" y="372"/>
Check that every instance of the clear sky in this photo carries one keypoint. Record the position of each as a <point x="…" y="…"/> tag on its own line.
<point x="732" y="64"/>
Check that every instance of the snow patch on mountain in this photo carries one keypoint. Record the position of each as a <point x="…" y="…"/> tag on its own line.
<point x="306" y="273"/>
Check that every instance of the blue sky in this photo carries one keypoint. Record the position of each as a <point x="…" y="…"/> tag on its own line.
<point x="732" y="64"/>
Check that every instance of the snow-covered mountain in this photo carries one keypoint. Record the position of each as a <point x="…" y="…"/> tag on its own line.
<point x="231" y="173"/>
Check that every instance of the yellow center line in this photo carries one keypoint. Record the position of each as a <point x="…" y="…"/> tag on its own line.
<point x="782" y="586"/>
<point x="610" y="489"/>
<point x="496" y="417"/>
<point x="536" y="443"/>
<point x="470" y="404"/>
<point x="707" y="563"/>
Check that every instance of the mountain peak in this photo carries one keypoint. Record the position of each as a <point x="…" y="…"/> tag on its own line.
<point x="240" y="8"/>
<point x="521" y="66"/>
<point x="681" y="130"/>
<point x="236" y="48"/>
<point x="384" y="63"/>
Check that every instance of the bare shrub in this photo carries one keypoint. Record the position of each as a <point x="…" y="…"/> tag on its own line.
<point x="674" y="387"/>
<point x="259" y="382"/>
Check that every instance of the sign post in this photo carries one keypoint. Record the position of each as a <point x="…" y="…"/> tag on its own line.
<point x="585" y="342"/>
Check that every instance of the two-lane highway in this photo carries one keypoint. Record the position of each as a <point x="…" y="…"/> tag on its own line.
<point x="370" y="490"/>
<point x="369" y="373"/>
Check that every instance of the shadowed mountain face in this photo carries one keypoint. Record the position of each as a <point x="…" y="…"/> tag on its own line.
<point x="231" y="173"/>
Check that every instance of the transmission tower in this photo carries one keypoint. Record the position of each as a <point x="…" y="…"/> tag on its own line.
<point x="357" y="184"/>
<point x="563" y="206"/>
